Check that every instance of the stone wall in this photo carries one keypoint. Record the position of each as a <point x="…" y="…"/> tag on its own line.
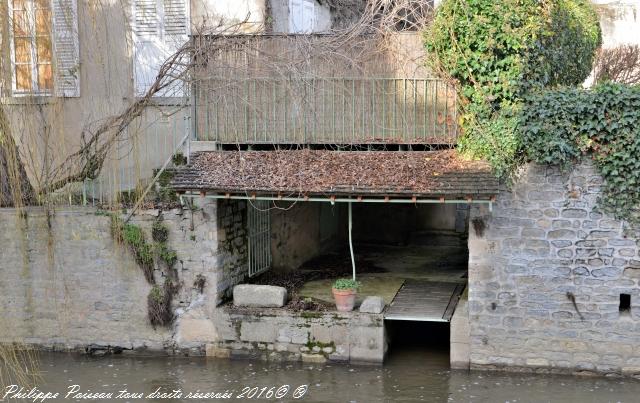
<point x="65" y="283"/>
<point x="301" y="231"/>
<point x="280" y="334"/>
<point x="546" y="275"/>
<point x="232" y="246"/>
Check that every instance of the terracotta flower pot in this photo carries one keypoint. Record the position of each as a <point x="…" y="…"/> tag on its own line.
<point x="345" y="299"/>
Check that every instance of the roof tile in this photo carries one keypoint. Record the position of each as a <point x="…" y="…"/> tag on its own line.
<point x="325" y="172"/>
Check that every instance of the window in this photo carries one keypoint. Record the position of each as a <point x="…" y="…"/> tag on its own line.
<point x="301" y="16"/>
<point x="44" y="47"/>
<point x="32" y="46"/>
<point x="160" y="28"/>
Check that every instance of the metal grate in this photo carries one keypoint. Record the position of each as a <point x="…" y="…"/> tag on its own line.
<point x="259" y="230"/>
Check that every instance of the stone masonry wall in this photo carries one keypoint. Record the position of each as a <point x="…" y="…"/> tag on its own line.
<point x="546" y="271"/>
<point x="279" y="334"/>
<point x="65" y="284"/>
<point x="232" y="246"/>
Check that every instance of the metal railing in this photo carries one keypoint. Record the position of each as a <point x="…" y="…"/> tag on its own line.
<point x="134" y="164"/>
<point x="326" y="110"/>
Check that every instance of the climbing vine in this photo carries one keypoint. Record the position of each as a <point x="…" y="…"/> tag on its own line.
<point x="147" y="255"/>
<point x="497" y="51"/>
<point x="561" y="126"/>
<point x="518" y="65"/>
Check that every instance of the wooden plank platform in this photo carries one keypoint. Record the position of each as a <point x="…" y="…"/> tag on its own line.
<point x="427" y="301"/>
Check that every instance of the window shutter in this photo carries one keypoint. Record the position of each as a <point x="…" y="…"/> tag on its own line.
<point x="176" y="23"/>
<point x="66" y="49"/>
<point x="301" y="16"/>
<point x="176" y="33"/>
<point x="147" y="40"/>
<point x="308" y="16"/>
<point x="295" y="16"/>
<point x="160" y="28"/>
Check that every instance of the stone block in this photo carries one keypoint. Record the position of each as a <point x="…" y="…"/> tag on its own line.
<point x="313" y="358"/>
<point x="561" y="234"/>
<point x="299" y="335"/>
<point x="256" y="295"/>
<point x="213" y="350"/>
<point x="631" y="371"/>
<point x="459" y="355"/>
<point x="266" y="332"/>
<point x="537" y="362"/>
<point x="341" y="353"/>
<point x="532" y="233"/>
<point x="189" y="330"/>
<point x="367" y="345"/>
<point x="632" y="272"/>
<point x="561" y="243"/>
<point x="372" y="304"/>
<point x="325" y="333"/>
<point x="602" y="234"/>
<point x="574" y="213"/>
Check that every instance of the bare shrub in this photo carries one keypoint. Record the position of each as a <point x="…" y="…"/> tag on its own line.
<point x="620" y="64"/>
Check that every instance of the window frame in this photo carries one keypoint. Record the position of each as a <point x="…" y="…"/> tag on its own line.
<point x="33" y="61"/>
<point x="293" y="29"/>
<point x="161" y="39"/>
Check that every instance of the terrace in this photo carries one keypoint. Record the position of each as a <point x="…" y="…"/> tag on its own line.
<point x="303" y="89"/>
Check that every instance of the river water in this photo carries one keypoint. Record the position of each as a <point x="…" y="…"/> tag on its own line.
<point x="410" y="374"/>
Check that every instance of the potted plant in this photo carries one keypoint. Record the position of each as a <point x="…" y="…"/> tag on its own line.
<point x="344" y="292"/>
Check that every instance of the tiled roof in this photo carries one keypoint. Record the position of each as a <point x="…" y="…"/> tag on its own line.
<point x="323" y="172"/>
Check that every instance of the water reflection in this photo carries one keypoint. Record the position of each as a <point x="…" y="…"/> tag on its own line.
<point x="411" y="374"/>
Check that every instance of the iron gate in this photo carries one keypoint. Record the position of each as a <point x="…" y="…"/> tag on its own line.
<point x="259" y="230"/>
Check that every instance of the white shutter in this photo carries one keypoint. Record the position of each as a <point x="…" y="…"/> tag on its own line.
<point x="176" y="33"/>
<point x="301" y="16"/>
<point x="147" y="52"/>
<point x="66" y="49"/>
<point x="176" y="23"/>
<point x="160" y="27"/>
<point x="295" y="16"/>
<point x="308" y="16"/>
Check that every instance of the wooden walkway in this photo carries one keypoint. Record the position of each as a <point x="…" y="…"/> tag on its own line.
<point x="427" y="301"/>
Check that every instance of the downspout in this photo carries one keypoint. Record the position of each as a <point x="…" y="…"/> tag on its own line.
<point x="353" y="260"/>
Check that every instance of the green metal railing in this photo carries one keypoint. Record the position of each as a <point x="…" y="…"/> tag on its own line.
<point x="326" y="110"/>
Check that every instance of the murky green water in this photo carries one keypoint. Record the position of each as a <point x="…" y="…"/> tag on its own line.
<point x="413" y="374"/>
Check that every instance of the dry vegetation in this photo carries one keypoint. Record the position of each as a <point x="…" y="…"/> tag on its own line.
<point x="620" y="65"/>
<point x="18" y="365"/>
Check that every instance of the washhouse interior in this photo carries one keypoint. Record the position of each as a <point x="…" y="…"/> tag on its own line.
<point x="395" y="245"/>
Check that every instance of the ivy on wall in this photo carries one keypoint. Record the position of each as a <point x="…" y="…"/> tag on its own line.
<point x="560" y="126"/>
<point x="518" y="64"/>
<point x="499" y="50"/>
<point x="147" y="255"/>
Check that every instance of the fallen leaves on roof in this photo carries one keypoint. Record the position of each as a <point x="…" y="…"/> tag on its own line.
<point x="324" y="172"/>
